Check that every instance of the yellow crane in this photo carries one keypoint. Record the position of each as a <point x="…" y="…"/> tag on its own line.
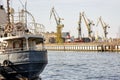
<point x="59" y="25"/>
<point x="104" y="26"/>
<point x="88" y="23"/>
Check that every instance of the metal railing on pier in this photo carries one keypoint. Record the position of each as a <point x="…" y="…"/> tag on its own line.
<point x="102" y="48"/>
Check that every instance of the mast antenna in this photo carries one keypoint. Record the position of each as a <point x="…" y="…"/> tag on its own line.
<point x="8" y="11"/>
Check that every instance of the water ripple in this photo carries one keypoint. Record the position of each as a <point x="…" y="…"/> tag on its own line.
<point x="82" y="66"/>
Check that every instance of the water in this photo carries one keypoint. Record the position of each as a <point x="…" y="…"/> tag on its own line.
<point x="82" y="66"/>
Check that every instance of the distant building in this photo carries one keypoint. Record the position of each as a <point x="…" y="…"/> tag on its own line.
<point x="51" y="37"/>
<point x="66" y="36"/>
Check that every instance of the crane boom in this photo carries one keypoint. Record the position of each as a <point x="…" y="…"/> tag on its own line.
<point x="88" y="23"/>
<point x="104" y="26"/>
<point x="100" y="19"/>
<point x="55" y="17"/>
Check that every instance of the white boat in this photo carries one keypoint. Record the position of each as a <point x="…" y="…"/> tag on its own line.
<point x="20" y="57"/>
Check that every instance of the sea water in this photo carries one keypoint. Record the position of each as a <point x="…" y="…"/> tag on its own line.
<point x="82" y="66"/>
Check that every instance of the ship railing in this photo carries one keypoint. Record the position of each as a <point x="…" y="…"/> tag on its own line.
<point x="35" y="28"/>
<point x="13" y="50"/>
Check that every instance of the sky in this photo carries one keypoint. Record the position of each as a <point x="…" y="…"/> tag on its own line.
<point x="69" y="10"/>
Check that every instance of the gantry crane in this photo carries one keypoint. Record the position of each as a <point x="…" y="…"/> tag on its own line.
<point x="104" y="26"/>
<point x="59" y="25"/>
<point x="79" y="26"/>
<point x="88" y="23"/>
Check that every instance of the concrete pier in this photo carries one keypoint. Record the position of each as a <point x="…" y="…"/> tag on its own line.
<point x="83" y="47"/>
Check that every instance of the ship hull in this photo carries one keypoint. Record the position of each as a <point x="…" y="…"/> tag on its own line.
<point x="27" y="64"/>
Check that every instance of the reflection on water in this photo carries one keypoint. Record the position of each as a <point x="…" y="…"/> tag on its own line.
<point x="82" y="66"/>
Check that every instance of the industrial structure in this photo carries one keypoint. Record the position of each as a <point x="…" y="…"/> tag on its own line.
<point x="57" y="37"/>
<point x="59" y="26"/>
<point x="104" y="26"/>
<point x="79" y="26"/>
<point x="50" y="37"/>
<point x="88" y="24"/>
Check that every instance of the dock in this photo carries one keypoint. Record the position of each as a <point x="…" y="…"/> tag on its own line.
<point x="102" y="47"/>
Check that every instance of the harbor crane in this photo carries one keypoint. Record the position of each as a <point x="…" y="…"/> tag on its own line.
<point x="79" y="26"/>
<point x="88" y="23"/>
<point x="59" y="25"/>
<point x="104" y="26"/>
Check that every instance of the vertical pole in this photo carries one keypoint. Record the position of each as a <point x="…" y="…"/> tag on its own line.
<point x="26" y="13"/>
<point x="43" y="47"/>
<point x="8" y="11"/>
<point x="27" y="45"/>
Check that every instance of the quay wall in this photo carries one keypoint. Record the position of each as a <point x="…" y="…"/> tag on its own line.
<point x="83" y="47"/>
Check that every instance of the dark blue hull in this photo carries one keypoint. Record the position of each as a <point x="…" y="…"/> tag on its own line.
<point x="30" y="65"/>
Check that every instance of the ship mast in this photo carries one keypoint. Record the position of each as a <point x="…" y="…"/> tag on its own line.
<point x="8" y="11"/>
<point x="9" y="27"/>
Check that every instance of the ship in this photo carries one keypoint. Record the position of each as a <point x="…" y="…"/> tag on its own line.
<point x="20" y="57"/>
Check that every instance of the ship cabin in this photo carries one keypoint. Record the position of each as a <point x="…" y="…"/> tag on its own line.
<point x="21" y="43"/>
<point x="19" y="35"/>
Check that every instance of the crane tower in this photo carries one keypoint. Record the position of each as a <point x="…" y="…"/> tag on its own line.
<point x="104" y="26"/>
<point x="79" y="26"/>
<point x="59" y="25"/>
<point x="88" y="23"/>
